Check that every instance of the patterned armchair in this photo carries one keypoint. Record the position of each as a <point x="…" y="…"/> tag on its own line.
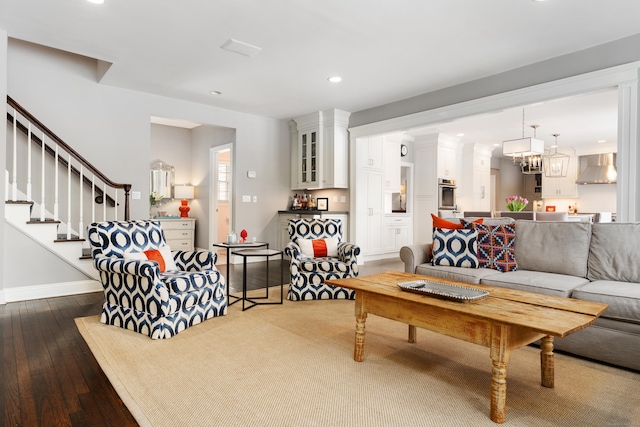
<point x="141" y="298"/>
<point x="308" y="273"/>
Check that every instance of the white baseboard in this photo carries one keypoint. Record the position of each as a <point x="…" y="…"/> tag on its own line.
<point x="50" y="290"/>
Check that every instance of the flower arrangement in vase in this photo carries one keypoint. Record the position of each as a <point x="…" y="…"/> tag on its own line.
<point x="516" y="203"/>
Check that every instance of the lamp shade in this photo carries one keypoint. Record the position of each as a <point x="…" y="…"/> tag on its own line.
<point x="522" y="147"/>
<point x="183" y="191"/>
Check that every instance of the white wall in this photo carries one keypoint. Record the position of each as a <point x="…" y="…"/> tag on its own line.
<point x="3" y="161"/>
<point x="111" y="128"/>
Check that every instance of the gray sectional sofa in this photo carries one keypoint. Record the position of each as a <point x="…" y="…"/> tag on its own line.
<point x="595" y="262"/>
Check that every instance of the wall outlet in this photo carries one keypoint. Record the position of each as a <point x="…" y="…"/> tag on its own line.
<point x="246" y="199"/>
<point x="255" y="199"/>
<point x="135" y="195"/>
<point x="335" y="199"/>
<point x="343" y="199"/>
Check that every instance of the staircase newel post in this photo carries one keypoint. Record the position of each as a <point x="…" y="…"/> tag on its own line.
<point x="127" y="190"/>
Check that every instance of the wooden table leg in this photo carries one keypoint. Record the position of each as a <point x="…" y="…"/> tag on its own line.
<point x="547" y="365"/>
<point x="412" y="334"/>
<point x="500" y="353"/>
<point x="361" y="318"/>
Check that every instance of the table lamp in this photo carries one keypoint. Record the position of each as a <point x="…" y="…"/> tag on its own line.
<point x="184" y="192"/>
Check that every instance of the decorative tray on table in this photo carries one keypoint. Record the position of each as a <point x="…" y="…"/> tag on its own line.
<point x="444" y="290"/>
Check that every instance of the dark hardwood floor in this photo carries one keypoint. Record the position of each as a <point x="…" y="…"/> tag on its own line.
<point x="50" y="378"/>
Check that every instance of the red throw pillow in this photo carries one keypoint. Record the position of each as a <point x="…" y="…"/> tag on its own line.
<point x="443" y="223"/>
<point x="155" y="255"/>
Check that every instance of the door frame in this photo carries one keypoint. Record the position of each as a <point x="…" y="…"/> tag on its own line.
<point x="213" y="192"/>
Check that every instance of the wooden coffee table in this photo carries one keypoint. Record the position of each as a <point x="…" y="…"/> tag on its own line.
<point x="506" y="320"/>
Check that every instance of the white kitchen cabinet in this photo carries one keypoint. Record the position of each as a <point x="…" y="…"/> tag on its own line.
<point x="397" y="232"/>
<point x="447" y="157"/>
<point x="474" y="180"/>
<point x="565" y="187"/>
<point x="392" y="165"/>
<point x="369" y="211"/>
<point x="319" y="154"/>
<point x="179" y="233"/>
<point x="370" y="153"/>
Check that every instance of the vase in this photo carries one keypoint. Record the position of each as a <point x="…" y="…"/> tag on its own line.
<point x="184" y="208"/>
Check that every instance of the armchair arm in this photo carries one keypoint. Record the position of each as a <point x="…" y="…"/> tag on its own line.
<point x="142" y="279"/>
<point x="414" y="255"/>
<point x="147" y="269"/>
<point x="195" y="260"/>
<point x="292" y="250"/>
<point x="347" y="252"/>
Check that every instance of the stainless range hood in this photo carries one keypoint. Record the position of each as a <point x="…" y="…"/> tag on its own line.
<point x="601" y="169"/>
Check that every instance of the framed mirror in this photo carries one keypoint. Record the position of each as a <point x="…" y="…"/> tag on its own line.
<point x="161" y="179"/>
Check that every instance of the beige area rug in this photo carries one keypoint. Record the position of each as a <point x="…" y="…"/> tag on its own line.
<point x="292" y="365"/>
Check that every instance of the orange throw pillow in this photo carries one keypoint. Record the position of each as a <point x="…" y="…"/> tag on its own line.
<point x="155" y="255"/>
<point x="443" y="223"/>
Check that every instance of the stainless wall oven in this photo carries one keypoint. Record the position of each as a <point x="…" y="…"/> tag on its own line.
<point x="446" y="194"/>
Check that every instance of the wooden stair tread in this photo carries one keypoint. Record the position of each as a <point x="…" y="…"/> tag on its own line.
<point x="18" y="202"/>
<point x="46" y="221"/>
<point x="73" y="238"/>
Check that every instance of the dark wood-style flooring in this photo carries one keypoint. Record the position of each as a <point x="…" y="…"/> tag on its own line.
<point x="48" y="375"/>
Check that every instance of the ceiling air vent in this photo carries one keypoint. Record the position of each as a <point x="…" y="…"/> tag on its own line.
<point x="242" y="48"/>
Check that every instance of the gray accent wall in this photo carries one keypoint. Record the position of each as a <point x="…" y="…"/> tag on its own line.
<point x="599" y="57"/>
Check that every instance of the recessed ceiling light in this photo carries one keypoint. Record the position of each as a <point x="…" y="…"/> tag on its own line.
<point x="497" y="144"/>
<point x="335" y="79"/>
<point x="215" y="92"/>
<point x="460" y="134"/>
<point x="96" y="1"/>
<point x="600" y="141"/>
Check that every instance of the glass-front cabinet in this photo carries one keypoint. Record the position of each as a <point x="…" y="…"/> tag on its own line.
<point x="309" y="157"/>
<point x="319" y="152"/>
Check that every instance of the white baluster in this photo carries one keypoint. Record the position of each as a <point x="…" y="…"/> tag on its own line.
<point x="104" y="202"/>
<point x="69" y="198"/>
<point x="56" y="191"/>
<point x="29" y="165"/>
<point x="80" y="222"/>
<point x="14" y="192"/>
<point x="42" y="185"/>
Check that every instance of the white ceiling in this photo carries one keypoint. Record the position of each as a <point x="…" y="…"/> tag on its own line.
<point x="384" y="50"/>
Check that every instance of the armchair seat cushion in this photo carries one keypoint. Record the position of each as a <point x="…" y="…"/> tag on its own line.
<point x="325" y="265"/>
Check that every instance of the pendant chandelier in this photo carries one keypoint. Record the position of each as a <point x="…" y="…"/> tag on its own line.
<point x="525" y="151"/>
<point x="556" y="165"/>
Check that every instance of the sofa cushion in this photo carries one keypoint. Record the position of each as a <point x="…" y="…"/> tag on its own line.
<point x="457" y="248"/>
<point x="535" y="281"/>
<point x="553" y="247"/>
<point x="613" y="254"/>
<point x="461" y="274"/>
<point x="623" y="298"/>
<point x="495" y="246"/>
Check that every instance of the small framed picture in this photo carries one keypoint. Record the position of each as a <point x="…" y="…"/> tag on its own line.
<point x="323" y="204"/>
<point x="550" y="209"/>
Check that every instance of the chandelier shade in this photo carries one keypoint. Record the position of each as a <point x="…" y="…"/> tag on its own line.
<point x="522" y="147"/>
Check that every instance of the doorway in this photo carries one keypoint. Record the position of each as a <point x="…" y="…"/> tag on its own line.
<point x="221" y="197"/>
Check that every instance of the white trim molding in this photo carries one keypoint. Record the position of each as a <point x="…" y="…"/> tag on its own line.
<point x="50" y="290"/>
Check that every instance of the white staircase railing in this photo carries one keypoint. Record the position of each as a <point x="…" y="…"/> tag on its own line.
<point x="69" y="186"/>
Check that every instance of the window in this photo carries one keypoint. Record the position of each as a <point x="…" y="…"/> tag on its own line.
<point x="223" y="182"/>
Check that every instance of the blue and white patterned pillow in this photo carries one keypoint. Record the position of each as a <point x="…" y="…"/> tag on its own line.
<point x="456" y="248"/>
